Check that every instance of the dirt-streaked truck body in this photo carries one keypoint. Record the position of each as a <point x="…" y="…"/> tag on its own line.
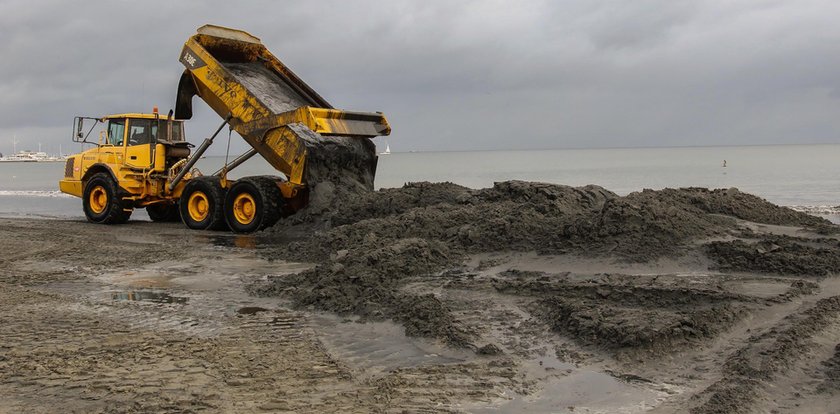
<point x="279" y="116"/>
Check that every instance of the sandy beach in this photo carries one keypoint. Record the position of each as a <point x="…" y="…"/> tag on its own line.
<point x="420" y="207"/>
<point x="662" y="301"/>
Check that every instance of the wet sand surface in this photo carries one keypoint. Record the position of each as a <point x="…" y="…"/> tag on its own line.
<point x="151" y="317"/>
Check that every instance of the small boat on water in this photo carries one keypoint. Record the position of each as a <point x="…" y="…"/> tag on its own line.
<point x="18" y="156"/>
<point x="31" y="156"/>
<point x="387" y="150"/>
<point x="21" y="156"/>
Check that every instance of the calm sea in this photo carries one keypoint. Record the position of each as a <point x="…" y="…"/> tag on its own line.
<point x="804" y="176"/>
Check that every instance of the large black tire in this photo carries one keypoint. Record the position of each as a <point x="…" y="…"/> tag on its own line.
<point x="163" y="212"/>
<point x="252" y="204"/>
<point x="101" y="201"/>
<point x="202" y="204"/>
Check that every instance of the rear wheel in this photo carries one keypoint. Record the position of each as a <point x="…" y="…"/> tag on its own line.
<point x="163" y="212"/>
<point x="201" y="204"/>
<point x="252" y="204"/>
<point x="101" y="201"/>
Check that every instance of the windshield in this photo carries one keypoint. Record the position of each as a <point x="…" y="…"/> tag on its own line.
<point x="116" y="131"/>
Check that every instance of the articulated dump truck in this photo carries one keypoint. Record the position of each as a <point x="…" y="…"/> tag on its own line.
<point x="144" y="161"/>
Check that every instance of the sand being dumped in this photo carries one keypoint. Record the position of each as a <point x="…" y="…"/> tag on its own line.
<point x="338" y="169"/>
<point x="375" y="242"/>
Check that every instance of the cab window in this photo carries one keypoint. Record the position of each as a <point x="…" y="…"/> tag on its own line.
<point x="177" y="131"/>
<point x="164" y="135"/>
<point x="139" y="132"/>
<point x="116" y="131"/>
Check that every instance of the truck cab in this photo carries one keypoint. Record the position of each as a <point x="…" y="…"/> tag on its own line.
<point x="129" y="165"/>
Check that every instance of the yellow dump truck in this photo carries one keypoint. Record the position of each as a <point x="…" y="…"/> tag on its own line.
<point x="143" y="160"/>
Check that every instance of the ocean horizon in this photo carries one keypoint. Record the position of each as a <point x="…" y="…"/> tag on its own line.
<point x="800" y="176"/>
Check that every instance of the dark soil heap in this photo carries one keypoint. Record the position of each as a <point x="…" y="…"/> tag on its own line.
<point x="779" y="255"/>
<point x="371" y="243"/>
<point x="340" y="168"/>
<point x="616" y="312"/>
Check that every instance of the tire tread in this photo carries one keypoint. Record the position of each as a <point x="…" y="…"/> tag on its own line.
<point x="116" y="212"/>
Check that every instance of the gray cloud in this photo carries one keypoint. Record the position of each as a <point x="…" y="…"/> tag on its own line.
<point x="456" y="75"/>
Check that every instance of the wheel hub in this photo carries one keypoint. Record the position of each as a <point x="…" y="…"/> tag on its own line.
<point x="98" y="199"/>
<point x="244" y="208"/>
<point x="198" y="206"/>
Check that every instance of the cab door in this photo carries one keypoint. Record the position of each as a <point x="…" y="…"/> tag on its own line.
<point x="112" y="150"/>
<point x="139" y="141"/>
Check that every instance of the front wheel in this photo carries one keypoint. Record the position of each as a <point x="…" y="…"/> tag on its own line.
<point x="201" y="204"/>
<point x="101" y="201"/>
<point x="252" y="204"/>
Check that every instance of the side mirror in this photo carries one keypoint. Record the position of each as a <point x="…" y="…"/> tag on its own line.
<point x="79" y="134"/>
<point x="78" y="129"/>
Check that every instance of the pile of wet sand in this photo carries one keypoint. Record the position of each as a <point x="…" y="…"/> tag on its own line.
<point x="371" y="244"/>
<point x="783" y="255"/>
<point x="616" y="312"/>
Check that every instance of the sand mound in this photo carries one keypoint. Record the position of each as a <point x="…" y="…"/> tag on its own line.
<point x="777" y="255"/>
<point x="620" y="312"/>
<point x="548" y="218"/>
<point x="372" y="243"/>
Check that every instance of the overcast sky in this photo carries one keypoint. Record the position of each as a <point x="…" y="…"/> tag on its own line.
<point x="454" y="75"/>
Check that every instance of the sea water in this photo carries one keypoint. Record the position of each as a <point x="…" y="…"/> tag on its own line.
<point x="803" y="176"/>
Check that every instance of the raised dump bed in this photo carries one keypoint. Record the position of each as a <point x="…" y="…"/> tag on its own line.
<point x="289" y="124"/>
<point x="284" y="120"/>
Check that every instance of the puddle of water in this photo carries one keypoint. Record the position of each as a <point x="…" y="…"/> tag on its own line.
<point x="761" y="289"/>
<point x="580" y="266"/>
<point x="80" y="289"/>
<point x="206" y="272"/>
<point x="377" y="347"/>
<point x="581" y="391"/>
<point x="550" y="362"/>
<point x="148" y="277"/>
<point x="148" y="296"/>
<point x="235" y="240"/>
